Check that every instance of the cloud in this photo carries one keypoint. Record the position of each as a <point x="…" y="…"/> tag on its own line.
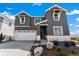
<point x="74" y="32"/>
<point x="9" y="15"/>
<point x="77" y="32"/>
<point x="77" y="19"/>
<point x="37" y="4"/>
<point x="73" y="12"/>
<point x="9" y="8"/>
<point x="76" y="25"/>
<point x="71" y="24"/>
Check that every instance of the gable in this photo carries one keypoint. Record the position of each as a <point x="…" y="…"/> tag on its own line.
<point x="56" y="7"/>
<point x="23" y="13"/>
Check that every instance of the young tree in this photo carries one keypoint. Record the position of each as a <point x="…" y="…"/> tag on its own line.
<point x="1" y="37"/>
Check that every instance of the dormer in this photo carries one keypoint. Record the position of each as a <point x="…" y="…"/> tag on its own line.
<point x="56" y="12"/>
<point x="22" y="19"/>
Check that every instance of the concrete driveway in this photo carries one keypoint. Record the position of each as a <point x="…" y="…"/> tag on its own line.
<point x="24" y="45"/>
<point x="19" y="47"/>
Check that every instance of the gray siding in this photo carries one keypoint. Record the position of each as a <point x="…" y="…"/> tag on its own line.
<point x="30" y="22"/>
<point x="22" y="28"/>
<point x="62" y="22"/>
<point x="27" y="23"/>
<point x="38" y="29"/>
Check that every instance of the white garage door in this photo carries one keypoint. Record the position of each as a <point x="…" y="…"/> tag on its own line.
<point x="25" y="35"/>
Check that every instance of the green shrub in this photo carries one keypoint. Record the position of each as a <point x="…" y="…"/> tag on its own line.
<point x="61" y="53"/>
<point x="55" y="43"/>
<point x="1" y="37"/>
<point x="59" y="49"/>
<point x="73" y="43"/>
<point x="67" y="44"/>
<point x="73" y="52"/>
<point x="72" y="38"/>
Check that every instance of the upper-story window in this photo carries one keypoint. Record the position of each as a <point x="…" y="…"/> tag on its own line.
<point x="1" y="19"/>
<point x="10" y="24"/>
<point x="22" y="19"/>
<point x="56" y="15"/>
<point x="36" y="20"/>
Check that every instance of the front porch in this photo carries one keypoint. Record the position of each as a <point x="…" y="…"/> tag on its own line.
<point x="43" y="32"/>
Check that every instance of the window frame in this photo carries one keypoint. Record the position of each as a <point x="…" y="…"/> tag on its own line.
<point x="21" y="19"/>
<point x="10" y="24"/>
<point x="59" y="31"/>
<point x="59" y="14"/>
<point x="36" y="19"/>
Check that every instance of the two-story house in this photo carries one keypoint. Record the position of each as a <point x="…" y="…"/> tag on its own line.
<point x="6" y="26"/>
<point x="52" y="26"/>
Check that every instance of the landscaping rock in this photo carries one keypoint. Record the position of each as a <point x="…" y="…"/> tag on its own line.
<point x="38" y="51"/>
<point x="50" y="45"/>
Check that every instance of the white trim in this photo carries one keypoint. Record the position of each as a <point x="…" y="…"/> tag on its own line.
<point x="59" y="14"/>
<point x="16" y="31"/>
<point x="58" y="38"/>
<point x="38" y="16"/>
<point x="41" y="22"/>
<point x="22" y="12"/>
<point x="22" y="26"/>
<point x="37" y="37"/>
<point x="27" y="14"/>
<point x="21" y="19"/>
<point x="61" y="27"/>
<point x="54" y="6"/>
<point x="6" y="18"/>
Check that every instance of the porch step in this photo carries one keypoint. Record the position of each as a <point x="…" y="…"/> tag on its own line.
<point x="43" y="42"/>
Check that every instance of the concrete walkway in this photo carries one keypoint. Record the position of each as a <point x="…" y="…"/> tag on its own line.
<point x="19" y="47"/>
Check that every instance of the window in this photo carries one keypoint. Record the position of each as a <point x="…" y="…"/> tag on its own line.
<point x="57" y="11"/>
<point x="36" y="20"/>
<point x="9" y="24"/>
<point x="1" y="19"/>
<point x="56" y="15"/>
<point x="22" y="19"/>
<point x="58" y="30"/>
<point x="19" y="31"/>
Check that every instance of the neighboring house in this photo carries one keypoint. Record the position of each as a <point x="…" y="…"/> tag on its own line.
<point x="6" y="26"/>
<point x="52" y="26"/>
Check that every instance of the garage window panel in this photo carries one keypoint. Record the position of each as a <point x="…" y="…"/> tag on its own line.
<point x="18" y="31"/>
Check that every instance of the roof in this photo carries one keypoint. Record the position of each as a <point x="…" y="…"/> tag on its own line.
<point x="23" y="12"/>
<point x="56" y="7"/>
<point x="6" y="18"/>
<point x="53" y="7"/>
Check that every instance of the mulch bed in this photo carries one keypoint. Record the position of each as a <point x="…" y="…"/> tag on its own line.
<point x="56" y="51"/>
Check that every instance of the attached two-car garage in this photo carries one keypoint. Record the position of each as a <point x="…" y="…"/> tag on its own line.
<point x="25" y="35"/>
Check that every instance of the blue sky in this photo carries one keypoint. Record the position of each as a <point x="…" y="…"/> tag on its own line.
<point x="38" y="9"/>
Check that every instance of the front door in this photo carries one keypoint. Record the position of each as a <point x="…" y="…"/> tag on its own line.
<point x="43" y="32"/>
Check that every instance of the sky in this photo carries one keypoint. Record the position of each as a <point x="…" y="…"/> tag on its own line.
<point x="38" y="9"/>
